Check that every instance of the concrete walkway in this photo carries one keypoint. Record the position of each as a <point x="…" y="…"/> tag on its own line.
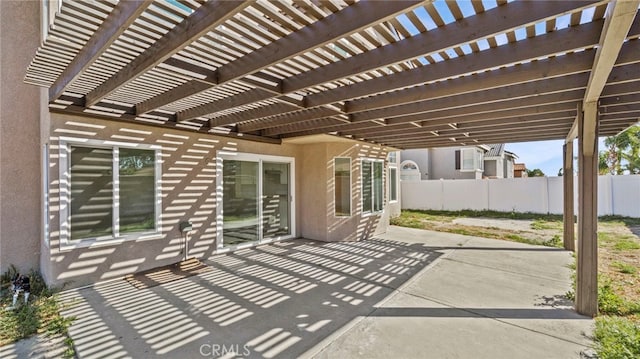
<point x="407" y="294"/>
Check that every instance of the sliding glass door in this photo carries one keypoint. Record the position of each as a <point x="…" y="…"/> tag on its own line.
<point x="257" y="199"/>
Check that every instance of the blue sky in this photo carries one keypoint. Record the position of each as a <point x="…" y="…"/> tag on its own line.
<point x="545" y="155"/>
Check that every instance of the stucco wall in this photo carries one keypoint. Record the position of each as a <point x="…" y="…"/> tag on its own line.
<point x="421" y="158"/>
<point x="188" y="183"/>
<point x="20" y="213"/>
<point x="317" y="193"/>
<point x="443" y="165"/>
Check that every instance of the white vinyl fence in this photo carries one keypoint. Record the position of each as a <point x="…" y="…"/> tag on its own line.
<point x="617" y="195"/>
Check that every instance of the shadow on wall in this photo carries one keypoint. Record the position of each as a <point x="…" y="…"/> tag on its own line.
<point x="273" y="300"/>
<point x="356" y="226"/>
<point x="187" y="190"/>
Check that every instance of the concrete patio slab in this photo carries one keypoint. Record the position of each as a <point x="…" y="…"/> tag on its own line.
<point x="408" y="293"/>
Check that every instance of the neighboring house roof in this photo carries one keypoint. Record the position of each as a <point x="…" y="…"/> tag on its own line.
<point x="510" y="154"/>
<point x="495" y="150"/>
<point x="519" y="167"/>
<point x="498" y="150"/>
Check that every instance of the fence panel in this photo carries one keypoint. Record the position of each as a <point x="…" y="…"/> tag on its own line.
<point x="506" y="195"/>
<point x="465" y="194"/>
<point x="618" y="195"/>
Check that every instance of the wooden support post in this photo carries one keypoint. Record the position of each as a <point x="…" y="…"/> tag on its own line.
<point x="568" y="213"/>
<point x="587" y="268"/>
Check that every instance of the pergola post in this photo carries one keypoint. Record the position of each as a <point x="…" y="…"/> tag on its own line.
<point x="587" y="266"/>
<point x="568" y="213"/>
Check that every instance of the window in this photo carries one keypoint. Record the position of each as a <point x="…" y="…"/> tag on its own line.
<point x="469" y="159"/>
<point x="112" y="192"/>
<point x="393" y="184"/>
<point x="392" y="157"/>
<point x="342" y="186"/>
<point x="372" y="186"/>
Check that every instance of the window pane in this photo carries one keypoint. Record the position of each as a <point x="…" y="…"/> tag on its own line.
<point x="137" y="190"/>
<point x="276" y="215"/>
<point x="239" y="202"/>
<point x="467" y="159"/>
<point x="342" y="183"/>
<point x="91" y="212"/>
<point x="393" y="184"/>
<point x="377" y="186"/>
<point x="367" y="190"/>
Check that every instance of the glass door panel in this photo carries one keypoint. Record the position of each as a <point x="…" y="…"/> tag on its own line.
<point x="240" y="202"/>
<point x="276" y="209"/>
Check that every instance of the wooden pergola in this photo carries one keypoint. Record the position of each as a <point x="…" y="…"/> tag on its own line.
<point x="403" y="74"/>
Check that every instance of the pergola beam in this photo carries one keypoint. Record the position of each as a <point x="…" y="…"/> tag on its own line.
<point x="122" y="15"/>
<point x="555" y="42"/>
<point x="206" y="17"/>
<point x="446" y="142"/>
<point x="616" y="27"/>
<point x="544" y="69"/>
<point x="340" y="24"/>
<point x="541" y="124"/>
<point x="536" y="88"/>
<point x="443" y="116"/>
<point x="478" y="26"/>
<point x="461" y="32"/>
<point x="541" y="91"/>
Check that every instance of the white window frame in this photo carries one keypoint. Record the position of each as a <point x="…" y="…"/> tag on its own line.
<point x="45" y="194"/>
<point x="65" y="193"/>
<point x="478" y="160"/>
<point x="251" y="157"/>
<point x="350" y="190"/>
<point x="373" y="197"/>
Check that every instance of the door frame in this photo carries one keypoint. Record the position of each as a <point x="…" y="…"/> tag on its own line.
<point x="260" y="159"/>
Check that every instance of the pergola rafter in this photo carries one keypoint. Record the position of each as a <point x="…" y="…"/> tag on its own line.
<point x="422" y="44"/>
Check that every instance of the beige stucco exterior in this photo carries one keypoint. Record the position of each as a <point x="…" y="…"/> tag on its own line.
<point x="30" y="141"/>
<point x="20" y="186"/>
<point x="189" y="193"/>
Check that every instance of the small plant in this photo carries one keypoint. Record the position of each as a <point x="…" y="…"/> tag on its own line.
<point x="542" y="224"/>
<point x="40" y="315"/>
<point x="624" y="267"/>
<point x="626" y="245"/>
<point x="555" y="241"/>
<point x="608" y="301"/>
<point x="617" y="337"/>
